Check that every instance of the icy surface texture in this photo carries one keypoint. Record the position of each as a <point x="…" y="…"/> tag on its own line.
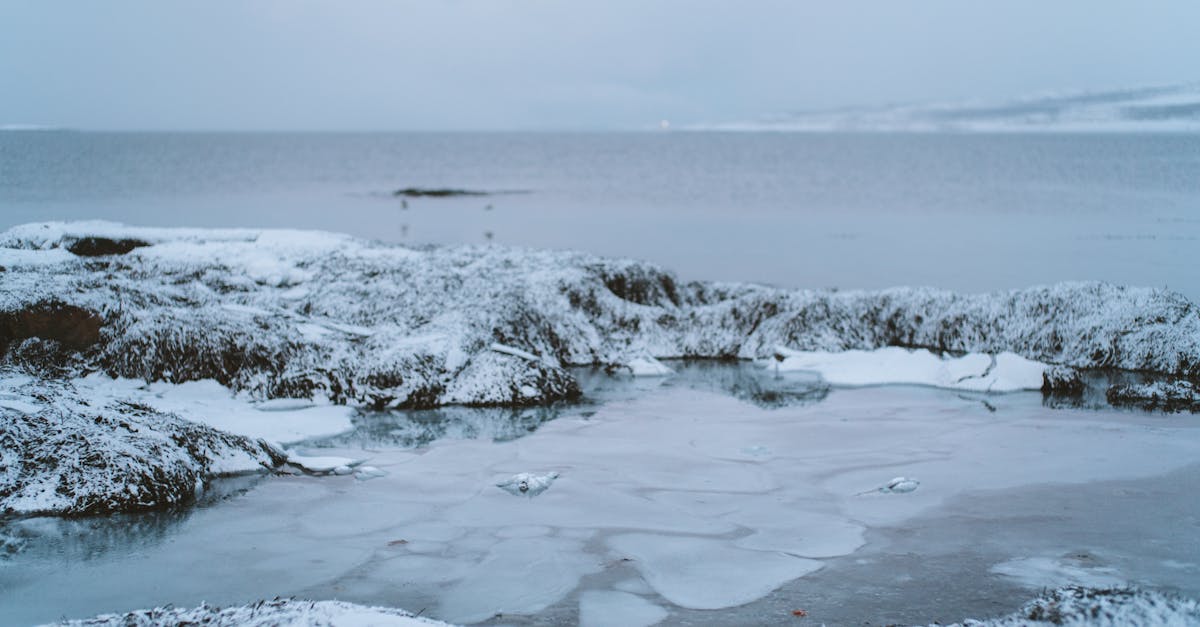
<point x="734" y="490"/>
<point x="264" y="614"/>
<point x="299" y="314"/>
<point x="64" y="452"/>
<point x="1076" y="606"/>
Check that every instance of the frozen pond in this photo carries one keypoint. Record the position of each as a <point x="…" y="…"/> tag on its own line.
<point x="716" y="496"/>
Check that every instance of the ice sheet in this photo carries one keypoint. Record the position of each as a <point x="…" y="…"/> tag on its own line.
<point x="605" y="608"/>
<point x="706" y="574"/>
<point x="660" y="478"/>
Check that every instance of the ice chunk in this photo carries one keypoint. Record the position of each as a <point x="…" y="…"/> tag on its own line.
<point x="606" y="608"/>
<point x="898" y="485"/>
<point x="365" y="473"/>
<point x="647" y="366"/>
<point x="708" y="574"/>
<point x="322" y="464"/>
<point x="527" y="484"/>
<point x="1048" y="572"/>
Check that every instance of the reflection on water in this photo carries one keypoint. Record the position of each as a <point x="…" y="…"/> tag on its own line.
<point x="413" y="429"/>
<point x="416" y="428"/>
<point x="1094" y="395"/>
<point x="77" y="540"/>
<point x="742" y="380"/>
<point x="756" y="385"/>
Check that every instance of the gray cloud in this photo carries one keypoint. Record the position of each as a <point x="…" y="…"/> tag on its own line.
<point x="515" y="64"/>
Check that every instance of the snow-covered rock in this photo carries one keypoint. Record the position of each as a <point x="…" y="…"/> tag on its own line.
<point x="65" y="452"/>
<point x="527" y="484"/>
<point x="293" y="314"/>
<point x="275" y="613"/>
<point x="1175" y="395"/>
<point x="1063" y="381"/>
<point x="1077" y="606"/>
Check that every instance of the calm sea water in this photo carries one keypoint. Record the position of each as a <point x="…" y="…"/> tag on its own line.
<point x="966" y="212"/>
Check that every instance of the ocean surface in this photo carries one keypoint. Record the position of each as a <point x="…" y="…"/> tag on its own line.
<point x="969" y="212"/>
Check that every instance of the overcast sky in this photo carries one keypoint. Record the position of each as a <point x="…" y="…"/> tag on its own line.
<point x="574" y="64"/>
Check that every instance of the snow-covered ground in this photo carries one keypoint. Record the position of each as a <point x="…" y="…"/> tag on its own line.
<point x="308" y="314"/>
<point x="1099" y="607"/>
<point x="1156" y="108"/>
<point x="1072" y="606"/>
<point x="677" y="497"/>
<point x="70" y="450"/>
<point x="275" y="613"/>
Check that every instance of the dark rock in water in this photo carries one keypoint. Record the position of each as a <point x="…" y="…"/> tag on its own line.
<point x="100" y="246"/>
<point x="66" y="454"/>
<point x="1177" y="395"/>
<point x="1062" y="380"/>
<point x="72" y="326"/>
<point x="436" y="192"/>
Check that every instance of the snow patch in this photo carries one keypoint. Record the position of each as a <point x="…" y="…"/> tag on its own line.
<point x="323" y="464"/>
<point x="265" y="614"/>
<point x="1005" y="372"/>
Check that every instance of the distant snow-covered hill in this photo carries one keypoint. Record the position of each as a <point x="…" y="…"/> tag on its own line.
<point x="1162" y="108"/>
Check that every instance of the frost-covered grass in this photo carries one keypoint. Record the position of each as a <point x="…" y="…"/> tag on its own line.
<point x="301" y="314"/>
<point x="65" y="452"/>
<point x="1072" y="606"/>
<point x="1077" y="606"/>
<point x="275" y="613"/>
